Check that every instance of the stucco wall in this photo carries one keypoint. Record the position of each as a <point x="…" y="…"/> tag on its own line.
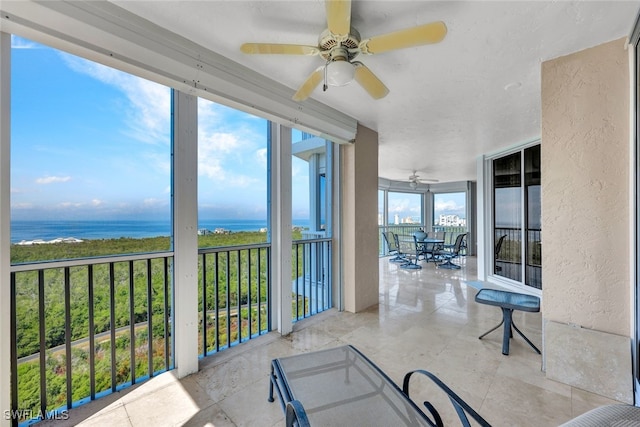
<point x="585" y="188"/>
<point x="360" y="221"/>
<point x="585" y="201"/>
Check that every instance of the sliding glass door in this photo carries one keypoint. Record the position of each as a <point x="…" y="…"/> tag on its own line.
<point x="517" y="221"/>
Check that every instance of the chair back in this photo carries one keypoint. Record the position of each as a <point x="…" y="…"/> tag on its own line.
<point x="440" y="235"/>
<point x="499" y="245"/>
<point x="396" y="239"/>
<point x="391" y="242"/>
<point x="457" y="246"/>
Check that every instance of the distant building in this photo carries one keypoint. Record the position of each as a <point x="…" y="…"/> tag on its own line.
<point x="396" y="219"/>
<point x="451" y="221"/>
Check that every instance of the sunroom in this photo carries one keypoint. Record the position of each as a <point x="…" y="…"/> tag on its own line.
<point x="567" y="179"/>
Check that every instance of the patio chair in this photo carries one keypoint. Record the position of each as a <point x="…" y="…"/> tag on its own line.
<point x="432" y="249"/>
<point x="440" y="235"/>
<point x="452" y="251"/>
<point x="393" y="247"/>
<point x="497" y="253"/>
<point x="419" y="236"/>
<point x="419" y="251"/>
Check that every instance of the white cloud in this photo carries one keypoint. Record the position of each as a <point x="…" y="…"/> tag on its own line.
<point x="261" y="157"/>
<point x="70" y="205"/>
<point x="97" y="202"/>
<point x="210" y="112"/>
<point x="52" y="179"/>
<point x="22" y="205"/>
<point x="226" y="137"/>
<point x="210" y="167"/>
<point x="216" y="143"/>
<point x="152" y="202"/>
<point x="401" y="206"/>
<point x="221" y="157"/>
<point x="149" y="103"/>
<point x="20" y="43"/>
<point x="447" y="205"/>
<point x="230" y="146"/>
<point x="243" y="181"/>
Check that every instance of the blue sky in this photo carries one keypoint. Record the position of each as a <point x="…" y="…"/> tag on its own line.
<point x="91" y="142"/>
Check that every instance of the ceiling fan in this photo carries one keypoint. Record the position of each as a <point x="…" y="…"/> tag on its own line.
<point x="340" y="44"/>
<point x="414" y="180"/>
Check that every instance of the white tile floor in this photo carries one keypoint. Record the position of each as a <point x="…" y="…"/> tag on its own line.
<point x="426" y="319"/>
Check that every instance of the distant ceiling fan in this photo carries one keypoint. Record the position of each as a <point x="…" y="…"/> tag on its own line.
<point x="414" y="180"/>
<point x="340" y="44"/>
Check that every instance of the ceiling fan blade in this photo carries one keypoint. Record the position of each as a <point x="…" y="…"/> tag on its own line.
<point x="369" y="81"/>
<point x="339" y="16"/>
<point x="282" y="49"/>
<point x="415" y="36"/>
<point x="309" y="85"/>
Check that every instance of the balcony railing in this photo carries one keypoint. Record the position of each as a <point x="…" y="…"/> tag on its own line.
<point x="234" y="300"/>
<point x="508" y="261"/>
<point x="311" y="265"/>
<point x="85" y="328"/>
<point x="81" y="329"/>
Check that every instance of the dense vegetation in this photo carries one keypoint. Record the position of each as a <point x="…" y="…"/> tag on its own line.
<point x="230" y="317"/>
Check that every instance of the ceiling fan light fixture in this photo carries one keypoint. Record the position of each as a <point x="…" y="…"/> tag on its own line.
<point x="340" y="73"/>
<point x="413" y="184"/>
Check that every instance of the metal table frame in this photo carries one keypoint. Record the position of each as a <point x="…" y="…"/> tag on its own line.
<point x="508" y="301"/>
<point x="423" y="243"/>
<point x="353" y="364"/>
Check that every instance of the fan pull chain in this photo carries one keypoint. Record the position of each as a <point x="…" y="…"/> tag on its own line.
<point x="324" y="85"/>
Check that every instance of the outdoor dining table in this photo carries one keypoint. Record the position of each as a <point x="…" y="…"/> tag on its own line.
<point x="427" y="241"/>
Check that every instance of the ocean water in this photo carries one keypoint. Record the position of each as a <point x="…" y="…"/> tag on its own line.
<point x="49" y="230"/>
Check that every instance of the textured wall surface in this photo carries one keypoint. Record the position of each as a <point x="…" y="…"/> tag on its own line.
<point x="585" y="211"/>
<point x="360" y="221"/>
<point x="585" y="188"/>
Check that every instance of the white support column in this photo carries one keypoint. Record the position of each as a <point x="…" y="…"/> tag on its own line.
<point x="359" y="234"/>
<point x="280" y="226"/>
<point x="185" y="232"/>
<point x="5" y="227"/>
<point x="427" y="205"/>
<point x="314" y="191"/>
<point x="335" y="213"/>
<point x="472" y="224"/>
<point x="483" y="220"/>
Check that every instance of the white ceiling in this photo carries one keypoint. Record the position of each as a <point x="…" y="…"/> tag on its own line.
<point x="475" y="92"/>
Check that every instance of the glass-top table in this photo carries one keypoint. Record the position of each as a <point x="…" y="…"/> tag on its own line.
<point x="508" y="301"/>
<point x="421" y="247"/>
<point x="341" y="386"/>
